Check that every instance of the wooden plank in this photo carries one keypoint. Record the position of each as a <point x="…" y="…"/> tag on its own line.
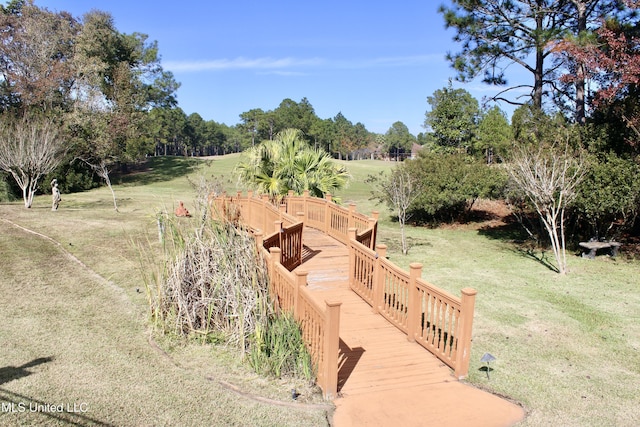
<point x="380" y="371"/>
<point x="375" y="354"/>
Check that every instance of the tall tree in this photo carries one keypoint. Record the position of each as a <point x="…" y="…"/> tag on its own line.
<point x="296" y="115"/>
<point x="494" y="134"/>
<point x="36" y="52"/>
<point x="118" y="80"/>
<point x="30" y="148"/>
<point x="398" y="140"/>
<point x="496" y="34"/>
<point x="453" y="117"/>
<point x="610" y="57"/>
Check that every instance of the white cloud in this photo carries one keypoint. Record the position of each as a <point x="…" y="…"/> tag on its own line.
<point x="240" y="63"/>
<point x="284" y="66"/>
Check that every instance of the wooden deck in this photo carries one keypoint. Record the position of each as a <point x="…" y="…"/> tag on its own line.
<point x="384" y="379"/>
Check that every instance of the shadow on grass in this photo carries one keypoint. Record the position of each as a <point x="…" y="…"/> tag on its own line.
<point x="10" y="373"/>
<point x="58" y="413"/>
<point x="542" y="258"/>
<point x="513" y="234"/>
<point x="487" y="370"/>
<point x="158" y="169"/>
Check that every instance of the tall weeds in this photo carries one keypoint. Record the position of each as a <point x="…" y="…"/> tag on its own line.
<point x="213" y="285"/>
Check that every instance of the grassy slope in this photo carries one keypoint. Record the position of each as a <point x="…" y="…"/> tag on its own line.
<point x="70" y="336"/>
<point x="566" y="347"/>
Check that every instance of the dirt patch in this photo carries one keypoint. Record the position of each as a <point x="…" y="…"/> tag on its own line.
<point x="485" y="214"/>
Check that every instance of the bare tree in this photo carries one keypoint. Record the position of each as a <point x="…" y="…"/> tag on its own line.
<point x="548" y="177"/>
<point x="29" y="149"/>
<point x="398" y="190"/>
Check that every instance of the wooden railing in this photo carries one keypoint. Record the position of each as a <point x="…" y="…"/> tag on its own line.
<point x="320" y="325"/>
<point x="332" y="219"/>
<point x="282" y="249"/>
<point x="430" y="316"/>
<point x="289" y="240"/>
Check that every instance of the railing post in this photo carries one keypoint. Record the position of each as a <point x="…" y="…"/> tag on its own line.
<point x="288" y="201"/>
<point x="463" y="354"/>
<point x="275" y="260"/>
<point x="249" y="209"/>
<point x="350" y="220"/>
<point x="264" y="200"/>
<point x="352" y="256"/>
<point x="259" y="236"/>
<point x="277" y="227"/>
<point x="415" y="272"/>
<point x="373" y="224"/>
<point x="327" y="213"/>
<point x="301" y="280"/>
<point x="378" y="278"/>
<point x="332" y="348"/>
<point x="305" y="196"/>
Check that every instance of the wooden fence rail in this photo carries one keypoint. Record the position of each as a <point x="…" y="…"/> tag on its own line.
<point x="320" y="325"/>
<point x="282" y="249"/>
<point x="430" y="316"/>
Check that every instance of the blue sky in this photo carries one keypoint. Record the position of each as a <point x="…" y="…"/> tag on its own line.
<point x="374" y="61"/>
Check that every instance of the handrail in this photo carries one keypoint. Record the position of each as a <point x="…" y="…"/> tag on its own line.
<point x="440" y="322"/>
<point x="282" y="250"/>
<point x="430" y="316"/>
<point x="289" y="240"/>
<point x="320" y="325"/>
<point x="330" y="218"/>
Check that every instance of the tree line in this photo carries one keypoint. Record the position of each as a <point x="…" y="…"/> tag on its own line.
<point x="83" y="99"/>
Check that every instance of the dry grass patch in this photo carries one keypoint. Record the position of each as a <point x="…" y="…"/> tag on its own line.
<point x="71" y="337"/>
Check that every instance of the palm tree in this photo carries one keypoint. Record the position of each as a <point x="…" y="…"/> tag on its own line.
<point x="288" y="163"/>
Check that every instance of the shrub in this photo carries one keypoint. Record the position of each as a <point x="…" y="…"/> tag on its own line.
<point x="214" y="286"/>
<point x="451" y="183"/>
<point x="608" y="198"/>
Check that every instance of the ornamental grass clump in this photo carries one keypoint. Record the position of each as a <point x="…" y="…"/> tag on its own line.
<point x="214" y="285"/>
<point x="279" y="350"/>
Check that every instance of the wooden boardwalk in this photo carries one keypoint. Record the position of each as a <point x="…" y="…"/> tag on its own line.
<point x="383" y="379"/>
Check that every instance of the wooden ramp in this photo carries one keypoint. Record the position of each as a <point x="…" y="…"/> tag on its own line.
<point x="383" y="379"/>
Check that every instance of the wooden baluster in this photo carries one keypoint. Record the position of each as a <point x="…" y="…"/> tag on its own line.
<point x="305" y="209"/>
<point x="301" y="281"/>
<point x="352" y="258"/>
<point x="327" y="213"/>
<point x="351" y="218"/>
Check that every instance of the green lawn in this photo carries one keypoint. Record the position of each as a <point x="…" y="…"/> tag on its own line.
<point x="566" y="347"/>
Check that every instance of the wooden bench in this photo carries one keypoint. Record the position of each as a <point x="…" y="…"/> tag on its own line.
<point x="593" y="247"/>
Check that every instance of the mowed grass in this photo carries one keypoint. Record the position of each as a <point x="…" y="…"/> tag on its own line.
<point x="76" y="332"/>
<point x="566" y="347"/>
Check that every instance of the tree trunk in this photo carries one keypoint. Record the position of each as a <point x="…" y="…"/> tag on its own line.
<point x="580" y="67"/>
<point x="103" y="171"/>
